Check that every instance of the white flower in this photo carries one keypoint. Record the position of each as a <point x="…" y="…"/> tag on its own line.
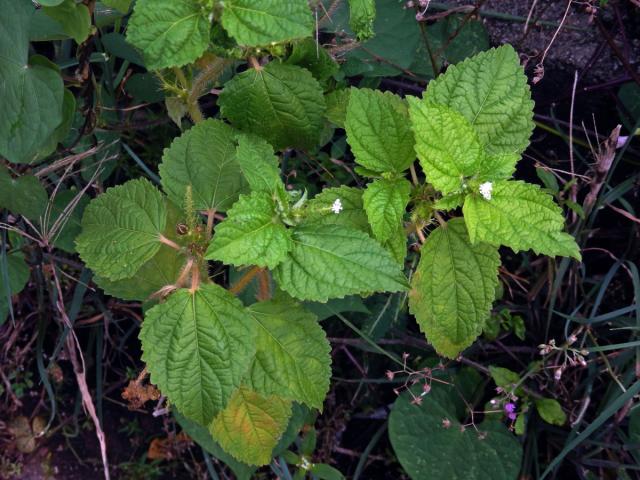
<point x="485" y="190"/>
<point x="337" y="206"/>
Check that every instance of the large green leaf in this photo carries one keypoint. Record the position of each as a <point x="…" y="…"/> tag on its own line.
<point x="331" y="261"/>
<point x="352" y="214"/>
<point x="521" y="216"/>
<point x="453" y="288"/>
<point x="251" y="425"/>
<point x="255" y="23"/>
<point x="204" y="158"/>
<point x="378" y="131"/>
<point x="292" y="358"/>
<point x="198" y="347"/>
<point x="252" y="234"/>
<point x="258" y="163"/>
<point x="74" y="18"/>
<point x="447" y="145"/>
<point x="22" y="195"/>
<point x="431" y="443"/>
<point x="362" y="13"/>
<point x="490" y="89"/>
<point x="121" y="229"/>
<point x="170" y="33"/>
<point x="14" y="274"/>
<point x="282" y="103"/>
<point x="385" y="202"/>
<point x="32" y="93"/>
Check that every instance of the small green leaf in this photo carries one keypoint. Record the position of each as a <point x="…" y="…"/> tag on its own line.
<point x="449" y="202"/>
<point x="121" y="229"/>
<point x="251" y="425"/>
<point x="252" y="234"/>
<point x="362" y="13"/>
<point x="550" y="411"/>
<point x="429" y="439"/>
<point x="255" y="23"/>
<point x="397" y="244"/>
<point x="292" y="358"/>
<point x="23" y="195"/>
<point x="521" y="216"/>
<point x="453" y="288"/>
<point x="281" y="103"/>
<point x="331" y="261"/>
<point x="32" y="92"/>
<point x="308" y="54"/>
<point x="447" y="145"/>
<point x="490" y="89"/>
<point x="337" y="102"/>
<point x="204" y="158"/>
<point x="326" y="472"/>
<point x="352" y="214"/>
<point x="378" y="131"/>
<point x="170" y="33"/>
<point x="385" y="202"/>
<point x="74" y="18"/>
<point x="17" y="273"/>
<point x="198" y="347"/>
<point x="258" y="163"/>
<point x="504" y="378"/>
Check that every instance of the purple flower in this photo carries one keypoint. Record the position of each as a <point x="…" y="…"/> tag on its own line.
<point x="512" y="416"/>
<point x="509" y="407"/>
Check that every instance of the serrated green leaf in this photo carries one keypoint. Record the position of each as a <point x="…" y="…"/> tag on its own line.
<point x="352" y="214"/>
<point x="490" y="89"/>
<point x="453" y="288"/>
<point x="258" y="163"/>
<point x="281" y="103"/>
<point x="198" y="347"/>
<point x="23" y="195"/>
<point x="448" y="148"/>
<point x="17" y="274"/>
<point x="521" y="216"/>
<point x="205" y="158"/>
<point x="308" y="54"/>
<point x="170" y="33"/>
<point x="292" y="358"/>
<point x="254" y="23"/>
<point x="337" y="102"/>
<point x="362" y="13"/>
<point x="397" y="244"/>
<point x="74" y="18"/>
<point x="251" y="425"/>
<point x="449" y="202"/>
<point x="551" y="411"/>
<point x="385" y="202"/>
<point x="331" y="261"/>
<point x="162" y="270"/>
<point x="121" y="229"/>
<point x="252" y="234"/>
<point x="378" y="131"/>
<point x="490" y="451"/>
<point x="32" y="92"/>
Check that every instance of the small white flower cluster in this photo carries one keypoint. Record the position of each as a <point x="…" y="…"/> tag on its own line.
<point x="485" y="190"/>
<point x="337" y="206"/>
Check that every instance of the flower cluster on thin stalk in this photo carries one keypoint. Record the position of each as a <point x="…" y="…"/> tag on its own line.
<point x="424" y="377"/>
<point x="565" y="355"/>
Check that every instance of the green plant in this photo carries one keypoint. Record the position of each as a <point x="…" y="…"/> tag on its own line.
<point x="241" y="371"/>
